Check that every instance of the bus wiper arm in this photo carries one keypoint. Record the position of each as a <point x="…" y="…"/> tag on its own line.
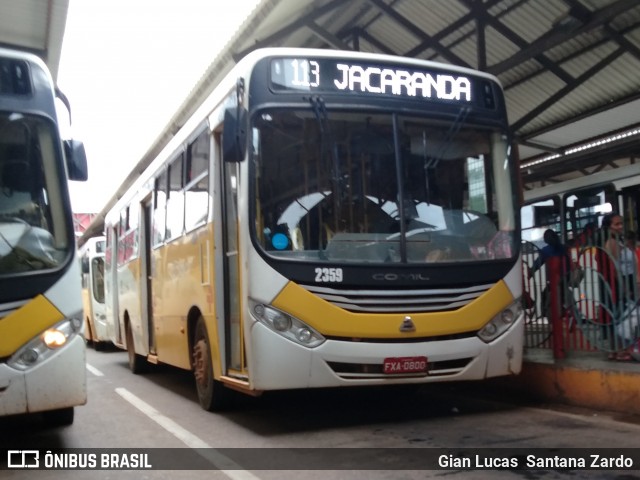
<point x="320" y="111"/>
<point x="449" y="136"/>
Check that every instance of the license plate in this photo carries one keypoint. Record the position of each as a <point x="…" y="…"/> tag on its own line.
<point x="395" y="365"/>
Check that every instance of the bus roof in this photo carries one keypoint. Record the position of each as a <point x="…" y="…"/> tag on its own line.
<point x="93" y="246"/>
<point x="618" y="175"/>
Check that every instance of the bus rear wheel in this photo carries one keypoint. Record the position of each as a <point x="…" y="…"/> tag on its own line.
<point x="212" y="394"/>
<point x="137" y="363"/>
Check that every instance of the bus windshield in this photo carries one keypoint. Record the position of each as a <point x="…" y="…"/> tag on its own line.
<point x="32" y="220"/>
<point x="355" y="186"/>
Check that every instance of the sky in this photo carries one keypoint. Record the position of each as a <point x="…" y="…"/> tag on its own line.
<point x="126" y="67"/>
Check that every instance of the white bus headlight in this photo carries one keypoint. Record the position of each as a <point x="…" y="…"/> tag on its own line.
<point x="45" y="344"/>
<point x="500" y="323"/>
<point x="286" y="325"/>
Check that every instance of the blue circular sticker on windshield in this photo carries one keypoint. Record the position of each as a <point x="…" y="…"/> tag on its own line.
<point x="279" y="241"/>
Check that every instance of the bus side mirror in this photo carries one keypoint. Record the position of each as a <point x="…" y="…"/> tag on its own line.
<point x="76" y="160"/>
<point x="234" y="136"/>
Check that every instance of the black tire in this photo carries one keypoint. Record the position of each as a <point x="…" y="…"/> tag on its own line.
<point x="212" y="394"/>
<point x="88" y="336"/>
<point x="58" y="418"/>
<point x="137" y="363"/>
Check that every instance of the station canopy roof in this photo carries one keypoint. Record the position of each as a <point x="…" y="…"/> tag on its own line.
<point x="570" y="68"/>
<point x="36" y="26"/>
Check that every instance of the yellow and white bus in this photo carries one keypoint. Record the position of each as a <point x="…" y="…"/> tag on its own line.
<point x="325" y="218"/>
<point x="42" y="350"/>
<point x="95" y="321"/>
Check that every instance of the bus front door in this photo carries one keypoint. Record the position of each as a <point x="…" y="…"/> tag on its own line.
<point x="231" y="266"/>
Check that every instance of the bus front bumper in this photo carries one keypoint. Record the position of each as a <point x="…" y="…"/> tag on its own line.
<point x="278" y="363"/>
<point x="59" y="382"/>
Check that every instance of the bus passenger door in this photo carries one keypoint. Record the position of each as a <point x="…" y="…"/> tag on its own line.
<point x="111" y="287"/>
<point x="231" y="269"/>
<point x="146" y="248"/>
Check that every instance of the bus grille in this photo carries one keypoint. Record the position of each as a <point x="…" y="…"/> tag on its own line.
<point x="366" y="371"/>
<point x="400" y="301"/>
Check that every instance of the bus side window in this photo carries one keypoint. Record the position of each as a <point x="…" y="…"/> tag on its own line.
<point x="175" y="199"/>
<point x="197" y="190"/>
<point x="159" y="209"/>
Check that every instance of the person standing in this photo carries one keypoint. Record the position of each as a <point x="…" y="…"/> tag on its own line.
<point x="616" y="258"/>
<point x="629" y="266"/>
<point x="554" y="248"/>
<point x="613" y="228"/>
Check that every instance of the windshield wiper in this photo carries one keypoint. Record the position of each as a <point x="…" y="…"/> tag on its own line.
<point x="322" y="116"/>
<point x="431" y="162"/>
<point x="320" y="111"/>
<point x="454" y="128"/>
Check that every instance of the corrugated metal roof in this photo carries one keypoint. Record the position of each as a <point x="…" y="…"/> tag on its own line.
<point x="559" y="61"/>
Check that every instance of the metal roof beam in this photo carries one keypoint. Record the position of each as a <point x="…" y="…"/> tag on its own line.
<point x="617" y="103"/>
<point x="418" y="32"/>
<point x="328" y="37"/>
<point x="517" y="40"/>
<point x="481" y="40"/>
<point x="448" y="30"/>
<point x="539" y="146"/>
<point x="429" y="42"/>
<point x="556" y="37"/>
<point x="622" y="41"/>
<point x="303" y="21"/>
<point x="568" y="88"/>
<point x="375" y="42"/>
<point x="569" y="57"/>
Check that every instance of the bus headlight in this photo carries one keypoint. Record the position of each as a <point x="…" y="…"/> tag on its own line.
<point x="46" y="344"/>
<point x="500" y="323"/>
<point x="286" y="325"/>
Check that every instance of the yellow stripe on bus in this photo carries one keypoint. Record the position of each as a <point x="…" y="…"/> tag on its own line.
<point x="22" y="325"/>
<point x="330" y="320"/>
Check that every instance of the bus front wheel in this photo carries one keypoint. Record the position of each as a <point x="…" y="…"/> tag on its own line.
<point x="212" y="394"/>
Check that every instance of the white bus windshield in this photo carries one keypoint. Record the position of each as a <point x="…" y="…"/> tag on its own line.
<point x="32" y="226"/>
<point x="354" y="186"/>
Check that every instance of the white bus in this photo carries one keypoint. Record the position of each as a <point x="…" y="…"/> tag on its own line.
<point x="575" y="209"/>
<point x="95" y="321"/>
<point x="570" y="206"/>
<point x="325" y="218"/>
<point x="42" y="350"/>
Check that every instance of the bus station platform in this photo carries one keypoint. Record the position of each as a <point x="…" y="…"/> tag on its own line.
<point x="582" y="379"/>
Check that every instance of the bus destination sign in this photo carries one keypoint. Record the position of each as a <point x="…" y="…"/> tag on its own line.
<point x="322" y="75"/>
